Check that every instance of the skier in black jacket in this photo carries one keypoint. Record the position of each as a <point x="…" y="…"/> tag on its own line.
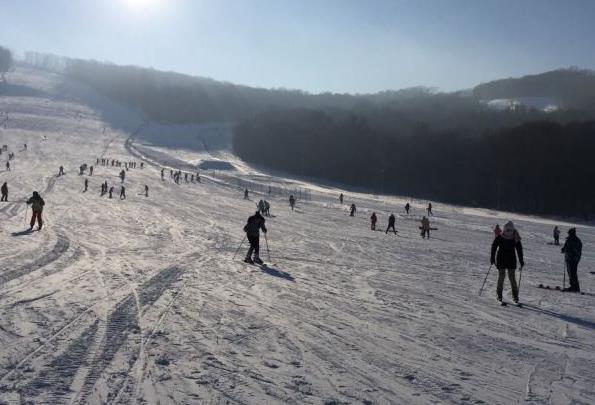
<point x="573" y="248"/>
<point x="4" y="192"/>
<point x="503" y="255"/>
<point x="253" y="226"/>
<point x="391" y="224"/>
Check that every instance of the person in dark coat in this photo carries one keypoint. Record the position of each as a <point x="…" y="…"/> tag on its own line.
<point x="572" y="249"/>
<point x="503" y="255"/>
<point x="4" y="192"/>
<point x="391" y="224"/>
<point x="37" y="205"/>
<point x="407" y="208"/>
<point x="373" y="220"/>
<point x="252" y="228"/>
<point x="556" y="236"/>
<point x="352" y="210"/>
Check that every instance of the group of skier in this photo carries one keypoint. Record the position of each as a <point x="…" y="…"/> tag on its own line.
<point x="507" y="247"/>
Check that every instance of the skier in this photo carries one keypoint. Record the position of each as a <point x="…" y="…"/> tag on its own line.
<point x="7" y="166"/>
<point x="252" y="228"/>
<point x="261" y="207"/>
<point x="111" y="190"/>
<point x="123" y="193"/>
<point x="197" y="177"/>
<point x="572" y="250"/>
<point x="425" y="227"/>
<point x="407" y="207"/>
<point x="142" y="165"/>
<point x="122" y="175"/>
<point x="497" y="231"/>
<point x="352" y="210"/>
<point x="25" y="146"/>
<point x="4" y="190"/>
<point x="430" y="214"/>
<point x="391" y="224"/>
<point x="556" y="236"/>
<point x="37" y="204"/>
<point x="267" y="208"/>
<point x="186" y="177"/>
<point x="86" y="185"/>
<point x="373" y="220"/>
<point x="61" y="171"/>
<point x="503" y="256"/>
<point x="291" y="201"/>
<point x="91" y="171"/>
<point x="246" y="194"/>
<point x="162" y="174"/>
<point x="146" y="190"/>
<point x="341" y="198"/>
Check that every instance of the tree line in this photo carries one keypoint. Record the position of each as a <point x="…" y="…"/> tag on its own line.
<point x="540" y="167"/>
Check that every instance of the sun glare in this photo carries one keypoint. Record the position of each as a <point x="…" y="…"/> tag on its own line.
<point x="142" y="5"/>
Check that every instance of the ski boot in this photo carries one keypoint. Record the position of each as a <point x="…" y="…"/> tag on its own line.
<point x="258" y="261"/>
<point x="248" y="260"/>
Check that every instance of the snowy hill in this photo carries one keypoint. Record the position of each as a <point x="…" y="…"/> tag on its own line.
<point x="141" y="301"/>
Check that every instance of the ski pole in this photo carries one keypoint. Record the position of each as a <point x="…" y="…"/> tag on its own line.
<point x="520" y="278"/>
<point x="484" y="280"/>
<point x="239" y="247"/>
<point x="26" y="211"/>
<point x="564" y="279"/>
<point x="267" y="243"/>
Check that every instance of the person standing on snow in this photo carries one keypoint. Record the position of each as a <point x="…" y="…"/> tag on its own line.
<point x="425" y="228"/>
<point x="504" y="257"/>
<point x="352" y="210"/>
<point x="86" y="185"/>
<point x="391" y="224"/>
<point x="373" y="220"/>
<point x="291" y="201"/>
<point x="146" y="190"/>
<point x="497" y="231"/>
<point x="572" y="249"/>
<point x="7" y="166"/>
<point x="252" y="228"/>
<point x="4" y="191"/>
<point x="430" y="213"/>
<point x="407" y="207"/>
<point x="111" y="190"/>
<point x="123" y="193"/>
<point x="556" y="236"/>
<point x="246" y="194"/>
<point x="122" y="175"/>
<point x="341" y="198"/>
<point x="37" y="205"/>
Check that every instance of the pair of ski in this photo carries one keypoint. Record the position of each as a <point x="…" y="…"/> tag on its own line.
<point x="556" y="288"/>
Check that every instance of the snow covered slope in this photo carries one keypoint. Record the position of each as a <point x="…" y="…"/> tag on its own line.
<point x="140" y="300"/>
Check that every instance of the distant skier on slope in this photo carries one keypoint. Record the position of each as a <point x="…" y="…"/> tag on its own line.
<point x="497" y="231"/>
<point x="111" y="191"/>
<point x="391" y="224"/>
<point x="352" y="210"/>
<point x="252" y="228"/>
<point x="122" y="175"/>
<point x="91" y="171"/>
<point x="425" y="227"/>
<point x="123" y="193"/>
<point x="146" y="191"/>
<point x="430" y="213"/>
<point x="341" y="198"/>
<point x="61" y="171"/>
<point x="37" y="205"/>
<point x="373" y="220"/>
<point x="7" y="166"/>
<point x="556" y="236"/>
<point x="407" y="207"/>
<point x="504" y="257"/>
<point x="86" y="185"/>
<point x="572" y="249"/>
<point x="4" y="191"/>
<point x="292" y="201"/>
<point x="246" y="194"/>
<point x="162" y="169"/>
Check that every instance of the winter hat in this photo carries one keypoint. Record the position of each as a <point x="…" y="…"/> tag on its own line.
<point x="572" y="232"/>
<point x="510" y="232"/>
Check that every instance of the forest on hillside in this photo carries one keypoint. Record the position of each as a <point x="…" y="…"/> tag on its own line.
<point x="541" y="167"/>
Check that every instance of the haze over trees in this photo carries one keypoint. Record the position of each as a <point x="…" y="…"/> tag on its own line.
<point x="6" y="62"/>
<point x="418" y="142"/>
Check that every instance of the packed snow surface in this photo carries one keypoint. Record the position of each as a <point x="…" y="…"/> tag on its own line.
<point x="141" y="301"/>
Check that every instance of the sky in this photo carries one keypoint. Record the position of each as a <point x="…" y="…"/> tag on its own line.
<point x="342" y="46"/>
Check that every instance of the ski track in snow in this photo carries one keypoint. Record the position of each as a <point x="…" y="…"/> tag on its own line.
<point x="139" y="300"/>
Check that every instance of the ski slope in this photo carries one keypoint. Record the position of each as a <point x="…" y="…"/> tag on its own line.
<point x="140" y="301"/>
